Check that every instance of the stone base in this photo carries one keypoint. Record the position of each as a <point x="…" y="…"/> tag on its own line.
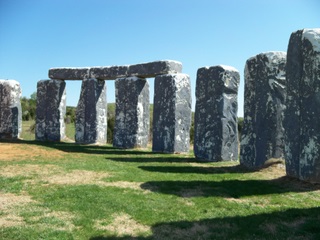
<point x="91" y="114"/>
<point x="51" y="109"/>
<point x="171" y="113"/>
<point x="10" y="109"/>
<point x="132" y="113"/>
<point x="216" y="131"/>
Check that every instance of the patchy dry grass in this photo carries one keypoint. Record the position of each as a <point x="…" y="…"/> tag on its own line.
<point x="123" y="225"/>
<point x="68" y="191"/>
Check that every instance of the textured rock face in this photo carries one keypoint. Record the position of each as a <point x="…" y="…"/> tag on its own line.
<point x="69" y="73"/>
<point x="91" y="114"/>
<point x="171" y="113"/>
<point x="143" y="70"/>
<point x="51" y="109"/>
<point x="302" y="115"/>
<point x="132" y="113"/>
<point x="216" y="132"/>
<point x="262" y="135"/>
<point x="10" y="109"/>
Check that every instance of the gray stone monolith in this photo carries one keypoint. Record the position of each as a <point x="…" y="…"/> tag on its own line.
<point x="171" y="113"/>
<point x="265" y="90"/>
<point x="215" y="120"/>
<point x="10" y="109"/>
<point x="302" y="114"/>
<point x="132" y="113"/>
<point x="91" y="113"/>
<point x="51" y="109"/>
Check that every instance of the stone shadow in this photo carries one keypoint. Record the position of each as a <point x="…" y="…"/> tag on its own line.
<point x="288" y="224"/>
<point x="229" y="188"/>
<point x="197" y="170"/>
<point x="80" y="148"/>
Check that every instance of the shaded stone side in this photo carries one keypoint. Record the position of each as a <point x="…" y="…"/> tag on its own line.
<point x="215" y="123"/>
<point x="132" y="113"/>
<point x="171" y="113"/>
<point x="51" y="109"/>
<point x="10" y="109"/>
<point x="302" y="115"/>
<point x="143" y="70"/>
<point x="91" y="113"/>
<point x="262" y="134"/>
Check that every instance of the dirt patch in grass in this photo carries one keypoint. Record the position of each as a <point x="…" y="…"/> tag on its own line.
<point x="14" y="152"/>
<point x="14" y="209"/>
<point x="28" y="170"/>
<point x="123" y="225"/>
<point x="8" y="203"/>
<point x="77" y="177"/>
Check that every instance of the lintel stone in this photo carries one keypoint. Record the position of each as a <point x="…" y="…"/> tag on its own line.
<point x="143" y="70"/>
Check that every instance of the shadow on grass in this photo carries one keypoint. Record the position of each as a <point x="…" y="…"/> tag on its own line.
<point x="229" y="188"/>
<point x="80" y="148"/>
<point x="288" y="224"/>
<point x="136" y="155"/>
<point x="196" y="170"/>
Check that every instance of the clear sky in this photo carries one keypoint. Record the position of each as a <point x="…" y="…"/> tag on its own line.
<point x="36" y="35"/>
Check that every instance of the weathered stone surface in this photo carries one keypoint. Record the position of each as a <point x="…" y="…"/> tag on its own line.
<point x="216" y="132"/>
<point x="262" y="134"/>
<point x="132" y="113"/>
<point x="143" y="70"/>
<point x="51" y="109"/>
<point x="302" y="114"/>
<point x="109" y="73"/>
<point x="171" y="113"/>
<point x="10" y="109"/>
<point x="69" y="73"/>
<point x="152" y="69"/>
<point x="91" y="114"/>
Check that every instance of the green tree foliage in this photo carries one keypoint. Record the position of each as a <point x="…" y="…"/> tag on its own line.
<point x="111" y="113"/>
<point x="240" y="125"/>
<point x="28" y="106"/>
<point x="70" y="115"/>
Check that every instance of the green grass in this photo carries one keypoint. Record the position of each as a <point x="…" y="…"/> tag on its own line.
<point x="137" y="194"/>
<point x="28" y="134"/>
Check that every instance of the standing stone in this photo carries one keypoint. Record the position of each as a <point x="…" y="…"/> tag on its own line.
<point x="91" y="114"/>
<point x="302" y="115"/>
<point x="262" y="135"/>
<point x="10" y="109"/>
<point x="132" y="113"/>
<point x="216" y="131"/>
<point x="171" y="113"/>
<point x="51" y="109"/>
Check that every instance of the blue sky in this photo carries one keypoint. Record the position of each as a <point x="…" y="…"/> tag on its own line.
<point x="36" y="35"/>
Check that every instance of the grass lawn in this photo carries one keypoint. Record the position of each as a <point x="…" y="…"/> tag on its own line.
<point x="70" y="191"/>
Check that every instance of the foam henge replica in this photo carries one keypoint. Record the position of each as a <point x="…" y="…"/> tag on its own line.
<point x="281" y="108"/>
<point x="172" y="97"/>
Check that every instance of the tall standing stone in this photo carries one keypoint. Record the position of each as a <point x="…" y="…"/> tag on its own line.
<point x="302" y="115"/>
<point x="262" y="135"/>
<point x="91" y="114"/>
<point x="132" y="113"/>
<point x="216" y="132"/>
<point x="51" y="109"/>
<point x="171" y="113"/>
<point x="10" y="109"/>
